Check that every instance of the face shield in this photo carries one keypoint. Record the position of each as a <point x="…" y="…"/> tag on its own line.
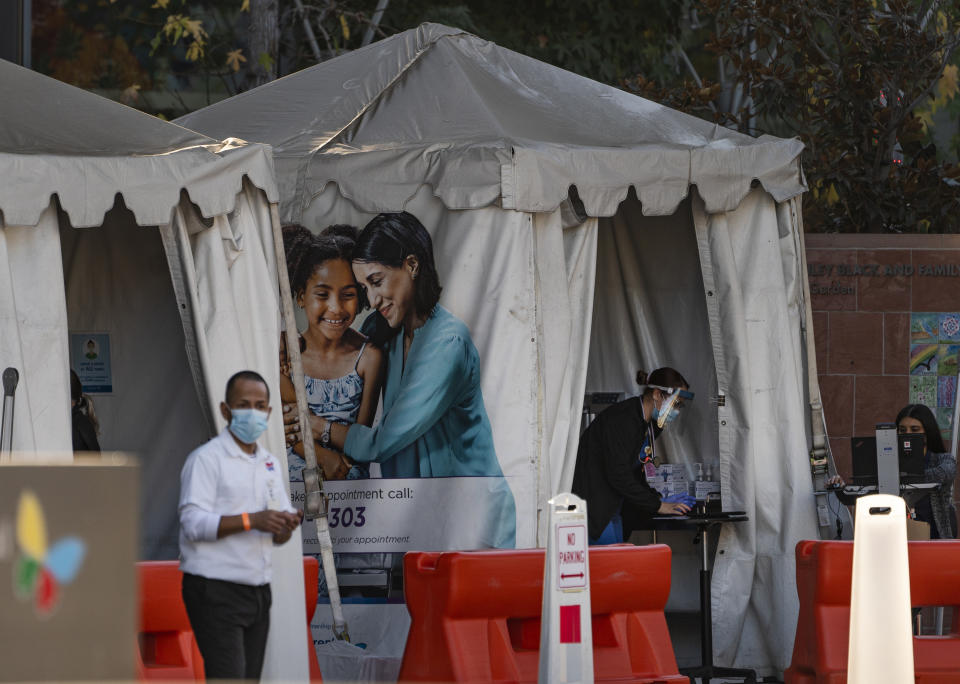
<point x="673" y="402"/>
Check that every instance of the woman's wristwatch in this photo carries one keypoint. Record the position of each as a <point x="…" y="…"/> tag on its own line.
<point x="325" y="435"/>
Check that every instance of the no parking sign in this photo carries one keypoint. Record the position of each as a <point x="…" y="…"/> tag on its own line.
<point x="571" y="556"/>
<point x="566" y="638"/>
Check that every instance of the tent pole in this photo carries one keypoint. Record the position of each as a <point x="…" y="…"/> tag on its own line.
<point x="314" y="503"/>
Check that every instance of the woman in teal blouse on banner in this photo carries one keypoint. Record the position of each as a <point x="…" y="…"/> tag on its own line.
<point x="433" y="421"/>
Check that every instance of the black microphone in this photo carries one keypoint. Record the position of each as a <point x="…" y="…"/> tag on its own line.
<point x="10" y="379"/>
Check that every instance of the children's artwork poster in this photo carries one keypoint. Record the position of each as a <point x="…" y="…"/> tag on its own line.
<point x="934" y="362"/>
<point x="90" y="359"/>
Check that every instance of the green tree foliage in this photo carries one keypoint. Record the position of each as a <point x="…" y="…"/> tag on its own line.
<point x="164" y="56"/>
<point x="859" y="83"/>
<point x="606" y="40"/>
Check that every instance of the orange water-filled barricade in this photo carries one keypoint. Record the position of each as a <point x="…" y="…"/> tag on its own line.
<point x="167" y="649"/>
<point x="824" y="574"/>
<point x="475" y="615"/>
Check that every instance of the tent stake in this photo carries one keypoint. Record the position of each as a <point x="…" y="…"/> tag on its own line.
<point x="314" y="502"/>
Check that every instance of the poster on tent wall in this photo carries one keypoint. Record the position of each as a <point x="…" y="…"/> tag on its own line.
<point x="90" y="359"/>
<point x="432" y="438"/>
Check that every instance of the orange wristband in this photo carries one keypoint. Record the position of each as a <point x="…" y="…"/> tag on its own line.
<point x="246" y="520"/>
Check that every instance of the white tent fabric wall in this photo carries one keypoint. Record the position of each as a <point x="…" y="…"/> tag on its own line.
<point x="33" y="324"/>
<point x="566" y="272"/>
<point x="68" y="152"/>
<point x="750" y="261"/>
<point x="117" y="282"/>
<point x="655" y="307"/>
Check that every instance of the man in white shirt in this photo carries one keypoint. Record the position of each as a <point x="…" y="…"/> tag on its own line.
<point x="233" y="509"/>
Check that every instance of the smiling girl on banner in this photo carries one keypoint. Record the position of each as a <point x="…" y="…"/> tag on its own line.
<point x="342" y="372"/>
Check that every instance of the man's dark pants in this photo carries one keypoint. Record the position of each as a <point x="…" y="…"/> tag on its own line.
<point x="230" y="622"/>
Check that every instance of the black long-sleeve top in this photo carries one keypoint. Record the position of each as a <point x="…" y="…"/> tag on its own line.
<point x="608" y="469"/>
<point x="84" y="435"/>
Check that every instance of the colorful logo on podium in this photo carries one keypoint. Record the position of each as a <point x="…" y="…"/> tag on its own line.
<point x="40" y="571"/>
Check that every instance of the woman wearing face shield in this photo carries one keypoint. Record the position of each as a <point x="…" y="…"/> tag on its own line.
<point x="615" y="450"/>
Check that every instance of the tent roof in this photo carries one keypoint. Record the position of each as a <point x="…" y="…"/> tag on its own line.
<point x="481" y="123"/>
<point x="57" y="139"/>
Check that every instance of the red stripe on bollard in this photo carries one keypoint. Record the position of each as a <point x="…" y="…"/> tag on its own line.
<point x="569" y="624"/>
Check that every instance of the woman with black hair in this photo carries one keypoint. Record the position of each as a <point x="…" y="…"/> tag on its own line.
<point x="84" y="419"/>
<point x="434" y="423"/>
<point x="611" y="469"/>
<point x="940" y="466"/>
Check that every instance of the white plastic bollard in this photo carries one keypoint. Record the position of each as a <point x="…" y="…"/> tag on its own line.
<point x="566" y="637"/>
<point x="881" y="636"/>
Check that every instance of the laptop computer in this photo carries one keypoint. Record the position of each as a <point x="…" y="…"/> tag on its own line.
<point x="863" y="452"/>
<point x="863" y="456"/>
<point x="912" y="459"/>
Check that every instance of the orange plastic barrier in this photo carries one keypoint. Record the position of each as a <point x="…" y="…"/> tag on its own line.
<point x="167" y="649"/>
<point x="476" y="615"/>
<point x="824" y="573"/>
<point x="311" y="570"/>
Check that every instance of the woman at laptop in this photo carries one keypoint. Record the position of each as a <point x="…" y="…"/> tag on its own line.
<point x="616" y="454"/>
<point x="940" y="466"/>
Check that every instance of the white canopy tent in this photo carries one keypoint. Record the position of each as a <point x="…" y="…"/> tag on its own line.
<point x="582" y="233"/>
<point x="117" y="223"/>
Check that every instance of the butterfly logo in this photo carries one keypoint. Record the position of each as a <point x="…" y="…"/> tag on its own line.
<point x="39" y="571"/>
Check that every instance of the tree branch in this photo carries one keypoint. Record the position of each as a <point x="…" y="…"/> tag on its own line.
<point x="375" y="21"/>
<point x="927" y="10"/>
<point x="693" y="72"/>
<point x="311" y="37"/>
<point x="947" y="53"/>
<point x="686" y="61"/>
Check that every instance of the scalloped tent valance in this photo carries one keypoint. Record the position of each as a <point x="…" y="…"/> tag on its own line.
<point x="482" y="124"/>
<point x="59" y="140"/>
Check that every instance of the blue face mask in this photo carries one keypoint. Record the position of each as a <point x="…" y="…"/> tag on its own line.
<point x="668" y="411"/>
<point x="672" y="416"/>
<point x="248" y="424"/>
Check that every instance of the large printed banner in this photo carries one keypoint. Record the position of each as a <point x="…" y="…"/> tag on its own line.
<point x="424" y="408"/>
<point x="409" y="514"/>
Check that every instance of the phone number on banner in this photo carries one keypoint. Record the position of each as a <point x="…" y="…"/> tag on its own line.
<point x="395" y="515"/>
